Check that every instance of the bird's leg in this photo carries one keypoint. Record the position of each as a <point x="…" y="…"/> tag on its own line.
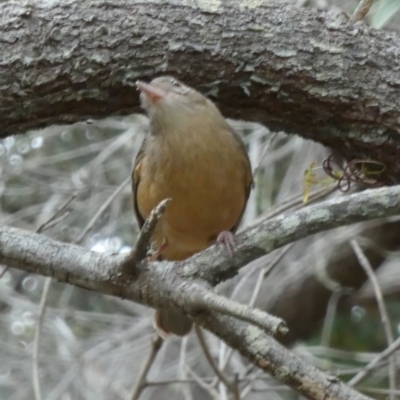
<point x="158" y="252"/>
<point x="228" y="241"/>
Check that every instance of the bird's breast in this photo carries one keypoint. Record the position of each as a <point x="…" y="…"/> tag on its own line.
<point x="205" y="180"/>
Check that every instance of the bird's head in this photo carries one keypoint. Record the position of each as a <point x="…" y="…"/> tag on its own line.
<point x="169" y="102"/>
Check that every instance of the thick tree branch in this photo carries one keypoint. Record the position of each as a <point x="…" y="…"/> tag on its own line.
<point x="101" y="272"/>
<point x="297" y="70"/>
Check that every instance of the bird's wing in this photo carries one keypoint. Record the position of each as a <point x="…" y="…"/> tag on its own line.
<point x="136" y="180"/>
<point x="249" y="183"/>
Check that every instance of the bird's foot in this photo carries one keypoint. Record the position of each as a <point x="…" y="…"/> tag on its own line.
<point x="154" y="256"/>
<point x="228" y="240"/>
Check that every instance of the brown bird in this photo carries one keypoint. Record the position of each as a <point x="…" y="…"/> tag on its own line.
<point x="195" y="158"/>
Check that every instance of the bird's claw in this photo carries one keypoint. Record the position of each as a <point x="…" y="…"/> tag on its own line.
<point x="154" y="256"/>
<point x="228" y="240"/>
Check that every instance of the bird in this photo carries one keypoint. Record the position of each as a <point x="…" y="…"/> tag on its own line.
<point x="193" y="157"/>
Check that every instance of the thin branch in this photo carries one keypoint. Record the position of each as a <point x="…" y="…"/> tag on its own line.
<point x="202" y="383"/>
<point x="249" y="387"/>
<point x="221" y="386"/>
<point x="100" y="211"/>
<point x="266" y="271"/>
<point x="375" y="363"/>
<point x="183" y="372"/>
<point x="262" y="275"/>
<point x="55" y="221"/>
<point x="362" y="10"/>
<point x="207" y="300"/>
<point x="380" y="391"/>
<point x="267" y="145"/>
<point x="166" y="382"/>
<point x="56" y="214"/>
<point x="331" y="313"/>
<point x="36" y="341"/>
<point x="3" y="272"/>
<point x="186" y="381"/>
<point x="362" y="259"/>
<point x="203" y="344"/>
<point x="42" y="306"/>
<point x="142" y="243"/>
<point x="141" y="381"/>
<point x="295" y="202"/>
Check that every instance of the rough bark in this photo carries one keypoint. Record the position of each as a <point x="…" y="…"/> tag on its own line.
<point x="298" y="70"/>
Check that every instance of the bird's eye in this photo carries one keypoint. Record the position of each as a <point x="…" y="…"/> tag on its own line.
<point x="175" y="83"/>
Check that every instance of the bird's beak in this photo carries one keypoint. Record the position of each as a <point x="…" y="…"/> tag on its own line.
<point x="152" y="93"/>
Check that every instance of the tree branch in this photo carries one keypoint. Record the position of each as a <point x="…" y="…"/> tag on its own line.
<point x="141" y="381"/>
<point x="142" y="243"/>
<point x="101" y="272"/>
<point x="336" y="80"/>
<point x="270" y="234"/>
<point x="273" y="358"/>
<point x="172" y="284"/>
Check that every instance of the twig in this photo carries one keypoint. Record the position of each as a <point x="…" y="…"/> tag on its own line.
<point x="222" y="388"/>
<point x="379" y="391"/>
<point x="111" y="198"/>
<point x="331" y="313"/>
<point x="249" y="387"/>
<point x="202" y="384"/>
<point x="187" y="381"/>
<point x="207" y="300"/>
<point x="203" y="344"/>
<point x="36" y="341"/>
<point x="56" y="221"/>
<point x="266" y="271"/>
<point x="272" y="388"/>
<point x="5" y="269"/>
<point x="141" y="381"/>
<point x="166" y="382"/>
<point x="267" y="145"/>
<point x="262" y="275"/>
<point x="362" y="259"/>
<point x="142" y="243"/>
<point x="56" y="214"/>
<point x="183" y="372"/>
<point x="295" y="202"/>
<point x="361" y="11"/>
<point x="375" y="363"/>
<point x="42" y="304"/>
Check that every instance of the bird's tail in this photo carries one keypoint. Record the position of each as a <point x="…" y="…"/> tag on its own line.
<point x="169" y="322"/>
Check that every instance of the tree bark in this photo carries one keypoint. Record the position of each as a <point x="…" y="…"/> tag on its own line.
<point x="297" y="70"/>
